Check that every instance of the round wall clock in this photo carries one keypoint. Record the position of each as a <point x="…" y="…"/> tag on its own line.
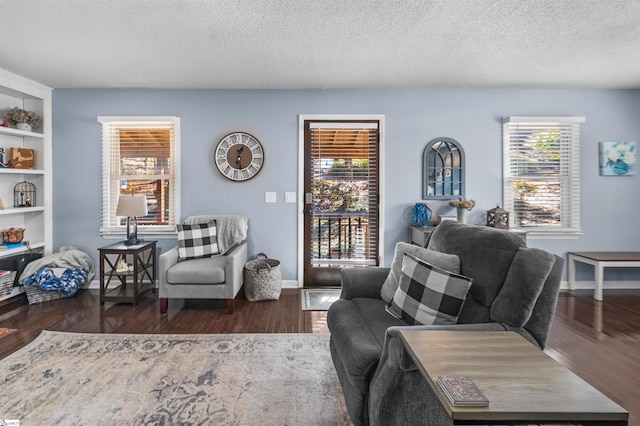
<point x="239" y="156"/>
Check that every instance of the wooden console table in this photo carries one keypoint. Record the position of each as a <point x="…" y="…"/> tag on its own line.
<point x="522" y="383"/>
<point x="601" y="260"/>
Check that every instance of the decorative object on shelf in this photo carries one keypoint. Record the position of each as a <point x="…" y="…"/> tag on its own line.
<point x="24" y="120"/>
<point x="13" y="235"/>
<point x="443" y="169"/>
<point x="122" y="267"/>
<point x="239" y="156"/>
<point x="4" y="161"/>
<point x="498" y="218"/>
<point x="132" y="206"/>
<point x="22" y="158"/>
<point x="5" y="123"/>
<point x="617" y="158"/>
<point x="463" y="205"/>
<point x="421" y="214"/>
<point x="24" y="194"/>
<point x="1" y="204"/>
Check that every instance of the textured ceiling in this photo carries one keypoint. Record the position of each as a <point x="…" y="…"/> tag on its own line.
<point x="412" y="44"/>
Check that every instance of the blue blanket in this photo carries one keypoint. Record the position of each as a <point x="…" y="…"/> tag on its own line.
<point x="70" y="281"/>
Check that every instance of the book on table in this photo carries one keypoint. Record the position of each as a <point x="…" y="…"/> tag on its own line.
<point x="462" y="391"/>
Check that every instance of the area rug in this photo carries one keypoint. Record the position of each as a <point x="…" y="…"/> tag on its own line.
<point x="319" y="299"/>
<point x="232" y="379"/>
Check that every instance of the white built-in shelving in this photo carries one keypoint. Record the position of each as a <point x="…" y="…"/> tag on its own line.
<point x="17" y="91"/>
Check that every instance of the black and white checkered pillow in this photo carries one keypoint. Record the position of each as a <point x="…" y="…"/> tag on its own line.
<point x="427" y="294"/>
<point x="197" y="240"/>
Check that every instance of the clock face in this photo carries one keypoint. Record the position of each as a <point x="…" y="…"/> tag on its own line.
<point x="239" y="156"/>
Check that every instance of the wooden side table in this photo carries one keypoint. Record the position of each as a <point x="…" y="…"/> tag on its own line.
<point x="419" y="235"/>
<point x="127" y="286"/>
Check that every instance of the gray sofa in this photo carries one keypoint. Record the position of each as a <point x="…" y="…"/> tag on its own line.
<point x="514" y="288"/>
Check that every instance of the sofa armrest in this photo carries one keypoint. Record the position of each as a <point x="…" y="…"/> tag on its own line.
<point x="234" y="267"/>
<point x="397" y="381"/>
<point x="166" y="261"/>
<point x="363" y="282"/>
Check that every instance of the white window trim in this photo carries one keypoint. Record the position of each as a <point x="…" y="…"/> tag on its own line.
<point x="575" y="231"/>
<point x="144" y="231"/>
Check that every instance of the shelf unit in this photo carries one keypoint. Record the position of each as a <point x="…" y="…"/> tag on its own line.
<point x="17" y="91"/>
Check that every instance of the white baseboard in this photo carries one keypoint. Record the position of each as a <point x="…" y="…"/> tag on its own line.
<point x="95" y="284"/>
<point x="611" y="285"/>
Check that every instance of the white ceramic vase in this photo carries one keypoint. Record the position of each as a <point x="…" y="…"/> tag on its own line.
<point x="462" y="215"/>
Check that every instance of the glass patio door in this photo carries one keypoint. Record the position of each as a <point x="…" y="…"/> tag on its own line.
<point x="341" y="212"/>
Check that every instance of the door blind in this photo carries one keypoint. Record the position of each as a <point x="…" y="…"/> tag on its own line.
<point x="345" y="188"/>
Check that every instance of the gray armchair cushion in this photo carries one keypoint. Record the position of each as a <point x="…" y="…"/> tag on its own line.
<point x="526" y="277"/>
<point x="444" y="261"/>
<point x="208" y="270"/>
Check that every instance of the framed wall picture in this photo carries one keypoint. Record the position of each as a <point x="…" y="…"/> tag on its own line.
<point x="617" y="158"/>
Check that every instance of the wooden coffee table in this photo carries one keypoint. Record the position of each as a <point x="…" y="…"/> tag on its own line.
<point x="522" y="383"/>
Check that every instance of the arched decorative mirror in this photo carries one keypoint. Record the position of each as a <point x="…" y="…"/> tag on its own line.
<point x="443" y="169"/>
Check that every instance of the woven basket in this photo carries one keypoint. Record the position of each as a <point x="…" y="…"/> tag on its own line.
<point x="36" y="295"/>
<point x="6" y="283"/>
<point x="262" y="279"/>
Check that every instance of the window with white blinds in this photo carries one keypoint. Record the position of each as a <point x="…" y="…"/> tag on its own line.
<point x="345" y="188"/>
<point x="541" y="174"/>
<point x="140" y="156"/>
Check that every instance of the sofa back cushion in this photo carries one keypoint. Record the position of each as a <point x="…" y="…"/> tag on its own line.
<point x="526" y="277"/>
<point x="485" y="256"/>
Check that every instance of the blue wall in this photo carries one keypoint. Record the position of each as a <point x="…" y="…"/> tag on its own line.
<point x="412" y="119"/>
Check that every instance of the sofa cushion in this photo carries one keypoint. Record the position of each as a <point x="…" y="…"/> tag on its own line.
<point x="514" y="304"/>
<point x="485" y="255"/>
<point x="230" y="229"/>
<point x="427" y="294"/>
<point x="197" y="240"/>
<point x="206" y="270"/>
<point x="448" y="262"/>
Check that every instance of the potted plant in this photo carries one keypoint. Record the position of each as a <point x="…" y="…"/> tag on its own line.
<point x="23" y="119"/>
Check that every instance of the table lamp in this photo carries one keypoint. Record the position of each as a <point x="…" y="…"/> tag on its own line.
<point x="132" y="206"/>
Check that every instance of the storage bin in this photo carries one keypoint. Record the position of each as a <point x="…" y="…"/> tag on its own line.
<point x="6" y="282"/>
<point x="262" y="279"/>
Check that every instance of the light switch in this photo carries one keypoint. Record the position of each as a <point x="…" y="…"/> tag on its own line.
<point x="289" y="197"/>
<point x="270" y="197"/>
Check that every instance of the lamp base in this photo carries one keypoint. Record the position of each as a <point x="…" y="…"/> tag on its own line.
<point x="132" y="242"/>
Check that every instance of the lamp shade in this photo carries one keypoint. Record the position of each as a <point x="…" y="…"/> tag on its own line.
<point x="132" y="206"/>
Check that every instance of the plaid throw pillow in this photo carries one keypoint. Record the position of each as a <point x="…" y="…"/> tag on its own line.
<point x="197" y="240"/>
<point x="427" y="294"/>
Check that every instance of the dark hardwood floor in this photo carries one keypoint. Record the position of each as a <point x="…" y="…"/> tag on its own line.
<point x="599" y="341"/>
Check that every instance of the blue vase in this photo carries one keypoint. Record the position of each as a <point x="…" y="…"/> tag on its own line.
<point x="619" y="167"/>
<point x="421" y="214"/>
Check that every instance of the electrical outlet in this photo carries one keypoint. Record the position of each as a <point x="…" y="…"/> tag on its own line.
<point x="289" y="197"/>
<point x="270" y="197"/>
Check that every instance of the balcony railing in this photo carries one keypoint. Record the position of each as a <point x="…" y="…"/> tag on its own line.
<point x="341" y="239"/>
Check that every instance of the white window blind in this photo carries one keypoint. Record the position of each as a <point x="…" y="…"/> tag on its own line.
<point x="345" y="191"/>
<point x="541" y="173"/>
<point x="140" y="156"/>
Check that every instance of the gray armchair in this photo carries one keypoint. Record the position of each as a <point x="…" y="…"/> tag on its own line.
<point x="216" y="277"/>
<point x="514" y="288"/>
